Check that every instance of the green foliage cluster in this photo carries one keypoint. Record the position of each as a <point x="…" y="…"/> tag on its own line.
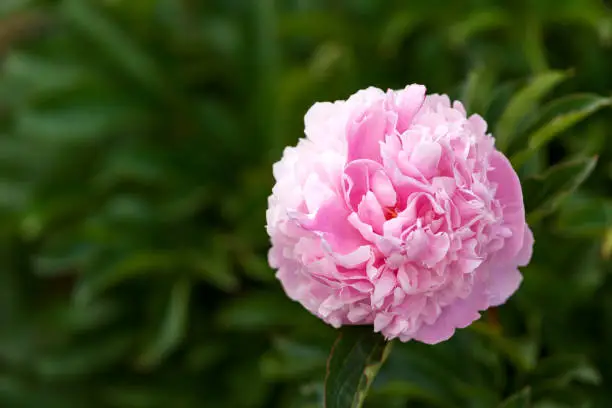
<point x="136" y="144"/>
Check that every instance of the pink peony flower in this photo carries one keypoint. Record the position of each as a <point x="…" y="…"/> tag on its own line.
<point x="396" y="210"/>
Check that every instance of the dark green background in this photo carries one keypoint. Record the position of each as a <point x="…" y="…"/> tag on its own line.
<point x="136" y="144"/>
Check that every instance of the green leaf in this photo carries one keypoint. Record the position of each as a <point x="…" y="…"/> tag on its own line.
<point x="418" y="372"/>
<point x="28" y="77"/>
<point x="395" y="31"/>
<point x="210" y="267"/>
<point x="498" y="100"/>
<point x="14" y="196"/>
<point x="118" y="45"/>
<point x="292" y="359"/>
<point x="532" y="30"/>
<point x="122" y="164"/>
<point x="545" y="192"/>
<point x="521" y="399"/>
<point x="173" y="327"/>
<point x="265" y="81"/>
<point x="10" y="6"/>
<point x="136" y="265"/>
<point x="353" y="363"/>
<point x="550" y="404"/>
<point x="478" y="89"/>
<point x="557" y="117"/>
<point x="74" y="124"/>
<point x="522" y="104"/>
<point x="215" y="265"/>
<point x="476" y="23"/>
<point x="261" y="311"/>
<point x="560" y="370"/>
<point x="522" y="353"/>
<point x="409" y="391"/>
<point x="86" y="318"/>
<point x="309" y="395"/>
<point x="43" y="73"/>
<point x="82" y="359"/>
<point x="206" y="354"/>
<point x="585" y="216"/>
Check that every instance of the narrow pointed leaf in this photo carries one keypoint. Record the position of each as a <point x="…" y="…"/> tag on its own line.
<point x="585" y="216"/>
<point x="533" y="45"/>
<point x="115" y="43"/>
<point x="522" y="104"/>
<point x="173" y="327"/>
<point x="478" y="23"/>
<point x="544" y="193"/>
<point x="558" y="117"/>
<point x="521" y="399"/>
<point x="353" y="363"/>
<point x="560" y="370"/>
<point x="478" y="89"/>
<point x="399" y="26"/>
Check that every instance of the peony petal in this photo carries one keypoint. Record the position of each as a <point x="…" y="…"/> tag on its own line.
<point x="409" y="101"/>
<point x="524" y="255"/>
<point x="456" y="316"/>
<point x="396" y="327"/>
<point x="330" y="305"/>
<point x="425" y="157"/>
<point x="356" y="314"/>
<point x="407" y="277"/>
<point x="503" y="282"/>
<point x="398" y="296"/>
<point x="332" y="224"/>
<point x="371" y="213"/>
<point x="356" y="180"/>
<point x="511" y="198"/>
<point x="444" y="184"/>
<point x="353" y="259"/>
<point x="325" y="124"/>
<point x="364" y="229"/>
<point x="438" y="248"/>
<point x="383" y="189"/>
<point x="417" y="244"/>
<point x="372" y="271"/>
<point x="383" y="288"/>
<point x="381" y="321"/>
<point x="316" y="193"/>
<point x="365" y="134"/>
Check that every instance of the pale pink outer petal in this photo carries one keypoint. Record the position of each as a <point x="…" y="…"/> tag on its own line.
<point x="460" y="314"/>
<point x="510" y="194"/>
<point x="505" y="280"/>
<point x="524" y="255"/>
<point x="365" y="133"/>
<point x="409" y="100"/>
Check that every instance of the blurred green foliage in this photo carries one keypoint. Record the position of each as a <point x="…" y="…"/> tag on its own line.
<point x="136" y="144"/>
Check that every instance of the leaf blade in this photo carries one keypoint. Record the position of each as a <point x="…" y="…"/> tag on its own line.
<point x="521" y="399"/>
<point x="585" y="216"/>
<point x="353" y="363"/>
<point x="173" y="327"/>
<point x="116" y="44"/>
<point x="522" y="103"/>
<point x="544" y="193"/>
<point x="556" y="118"/>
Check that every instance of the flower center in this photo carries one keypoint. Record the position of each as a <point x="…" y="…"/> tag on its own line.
<point x="389" y="213"/>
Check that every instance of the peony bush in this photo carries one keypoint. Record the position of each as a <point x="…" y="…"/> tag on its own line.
<point x="136" y="145"/>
